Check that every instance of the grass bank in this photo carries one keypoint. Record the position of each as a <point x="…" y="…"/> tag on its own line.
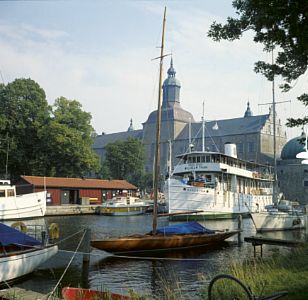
<point x="288" y="272"/>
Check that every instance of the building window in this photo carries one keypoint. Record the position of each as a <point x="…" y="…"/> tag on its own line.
<point x="240" y="148"/>
<point x="251" y="147"/>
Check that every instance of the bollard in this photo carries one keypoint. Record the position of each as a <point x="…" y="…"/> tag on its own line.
<point x="239" y="227"/>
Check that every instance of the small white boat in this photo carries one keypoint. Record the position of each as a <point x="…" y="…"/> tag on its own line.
<point x="282" y="217"/>
<point x="123" y="206"/>
<point x="20" y="254"/>
<point x="24" y="206"/>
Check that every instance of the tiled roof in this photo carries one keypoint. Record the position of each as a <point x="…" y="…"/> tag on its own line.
<point x="220" y="128"/>
<point x="78" y="183"/>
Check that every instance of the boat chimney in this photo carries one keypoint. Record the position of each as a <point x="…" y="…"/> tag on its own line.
<point x="230" y="150"/>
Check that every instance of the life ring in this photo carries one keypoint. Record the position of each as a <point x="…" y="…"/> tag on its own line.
<point x="20" y="226"/>
<point x="54" y="231"/>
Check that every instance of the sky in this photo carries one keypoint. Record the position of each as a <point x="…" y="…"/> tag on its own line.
<point x="101" y="54"/>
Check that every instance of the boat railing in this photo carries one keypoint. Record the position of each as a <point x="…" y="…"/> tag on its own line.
<point x="38" y="232"/>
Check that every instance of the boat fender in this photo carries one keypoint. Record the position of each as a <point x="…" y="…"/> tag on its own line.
<point x="54" y="231"/>
<point x="20" y="226"/>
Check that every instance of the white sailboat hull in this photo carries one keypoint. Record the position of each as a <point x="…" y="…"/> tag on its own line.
<point x="22" y="263"/>
<point x="23" y="206"/>
<point x="271" y="221"/>
<point x="214" y="203"/>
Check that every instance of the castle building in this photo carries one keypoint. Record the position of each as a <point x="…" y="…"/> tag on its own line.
<point x="253" y="135"/>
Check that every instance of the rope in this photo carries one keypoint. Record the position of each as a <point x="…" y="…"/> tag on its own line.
<point x="140" y="257"/>
<point x="71" y="260"/>
<point x="68" y="237"/>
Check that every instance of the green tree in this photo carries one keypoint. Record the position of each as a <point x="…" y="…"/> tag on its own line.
<point x="125" y="160"/>
<point x="69" y="138"/>
<point x="280" y="24"/>
<point x="40" y="139"/>
<point x="24" y="112"/>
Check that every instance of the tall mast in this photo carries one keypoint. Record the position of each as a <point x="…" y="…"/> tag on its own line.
<point x="203" y="135"/>
<point x="158" y="125"/>
<point x="274" y="135"/>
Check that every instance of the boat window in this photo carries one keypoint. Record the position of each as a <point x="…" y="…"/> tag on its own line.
<point x="189" y="159"/>
<point x="10" y="193"/>
<point x="194" y="159"/>
<point x="208" y="158"/>
<point x="198" y="159"/>
<point x="202" y="158"/>
<point x="208" y="178"/>
<point x="2" y="193"/>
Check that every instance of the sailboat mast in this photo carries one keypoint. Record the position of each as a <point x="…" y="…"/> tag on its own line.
<point x="274" y="135"/>
<point x="203" y="134"/>
<point x="158" y="125"/>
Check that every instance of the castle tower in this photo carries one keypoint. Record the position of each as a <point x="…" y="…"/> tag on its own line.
<point x="173" y="120"/>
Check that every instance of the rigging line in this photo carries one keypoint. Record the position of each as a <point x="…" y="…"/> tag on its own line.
<point x="71" y="260"/>
<point x="68" y="237"/>
<point x="140" y="257"/>
<point x="211" y="138"/>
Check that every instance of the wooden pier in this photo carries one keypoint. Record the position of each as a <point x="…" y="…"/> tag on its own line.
<point x="259" y="241"/>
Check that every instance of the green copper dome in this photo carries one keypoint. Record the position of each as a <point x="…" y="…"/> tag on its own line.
<point x="293" y="147"/>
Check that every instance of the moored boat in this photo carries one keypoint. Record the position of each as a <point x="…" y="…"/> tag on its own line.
<point x="218" y="184"/>
<point x="123" y="206"/>
<point x="179" y="236"/>
<point x="277" y="220"/>
<point x="72" y="293"/>
<point x="13" y="207"/>
<point x="286" y="215"/>
<point x="20" y="254"/>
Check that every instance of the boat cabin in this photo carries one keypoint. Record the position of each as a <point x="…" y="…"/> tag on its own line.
<point x="6" y="190"/>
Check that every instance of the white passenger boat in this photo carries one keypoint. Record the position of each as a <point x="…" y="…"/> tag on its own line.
<point x="24" y="206"/>
<point x="20" y="254"/>
<point x="123" y="206"/>
<point x="218" y="184"/>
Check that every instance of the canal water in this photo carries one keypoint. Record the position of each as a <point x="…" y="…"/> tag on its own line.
<point x="184" y="274"/>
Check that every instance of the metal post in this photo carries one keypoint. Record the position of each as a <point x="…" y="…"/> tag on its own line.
<point x="239" y="226"/>
<point x="86" y="258"/>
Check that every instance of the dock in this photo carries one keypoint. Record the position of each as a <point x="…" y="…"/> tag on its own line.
<point x="18" y="293"/>
<point x="66" y="209"/>
<point x="259" y="241"/>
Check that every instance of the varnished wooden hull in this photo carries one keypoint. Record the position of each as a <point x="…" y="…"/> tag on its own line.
<point x="140" y="243"/>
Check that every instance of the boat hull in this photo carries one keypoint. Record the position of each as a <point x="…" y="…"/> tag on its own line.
<point x="122" y="210"/>
<point x="23" y="206"/>
<point x="214" y="203"/>
<point x="16" y="265"/>
<point x="142" y="243"/>
<point x="265" y="221"/>
<point x="71" y="293"/>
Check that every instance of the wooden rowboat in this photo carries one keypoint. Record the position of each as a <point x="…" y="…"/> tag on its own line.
<point x="71" y="293"/>
<point x="161" y="241"/>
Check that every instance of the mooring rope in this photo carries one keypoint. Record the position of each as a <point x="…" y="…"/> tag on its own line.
<point x="71" y="260"/>
<point x="68" y="237"/>
<point x="139" y="257"/>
